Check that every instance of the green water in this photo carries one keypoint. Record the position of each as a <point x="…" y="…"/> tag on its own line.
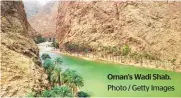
<point x="96" y="81"/>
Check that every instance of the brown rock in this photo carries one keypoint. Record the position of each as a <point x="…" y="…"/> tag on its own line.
<point x="17" y="76"/>
<point x="154" y="27"/>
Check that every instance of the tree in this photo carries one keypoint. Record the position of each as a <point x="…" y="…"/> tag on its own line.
<point x="126" y="50"/>
<point x="55" y="43"/>
<point x="48" y="66"/>
<point x="56" y="75"/>
<point x="62" y="91"/>
<point x="58" y="61"/>
<point x="53" y="70"/>
<point x="48" y="93"/>
<point x="57" y="91"/>
<point x="47" y="63"/>
<point x="147" y="56"/>
<point x="135" y="56"/>
<point x="141" y="59"/>
<point x="32" y="94"/>
<point x="72" y="79"/>
<point x="45" y="56"/>
<point x="120" y="53"/>
<point x="39" y="39"/>
<point x="173" y="62"/>
<point x="82" y="94"/>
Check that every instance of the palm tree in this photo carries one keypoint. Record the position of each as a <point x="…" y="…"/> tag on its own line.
<point x="56" y="75"/>
<point x="120" y="54"/>
<point x="145" y="56"/>
<point x="126" y="50"/>
<point x="82" y="94"/>
<point x="48" y="64"/>
<point x="72" y="79"/>
<point x="62" y="91"/>
<point x="141" y="59"/>
<point x="114" y="49"/>
<point x="137" y="57"/>
<point x="77" y="82"/>
<point x="58" y="61"/>
<point x="53" y="69"/>
<point x="45" y="56"/>
<point x="57" y="91"/>
<point x="173" y="63"/>
<point x="48" y="93"/>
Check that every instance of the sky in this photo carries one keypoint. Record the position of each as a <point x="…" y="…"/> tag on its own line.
<point x="43" y="2"/>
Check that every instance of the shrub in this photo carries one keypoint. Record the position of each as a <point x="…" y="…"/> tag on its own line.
<point x="58" y="60"/>
<point x="45" y="56"/>
<point x="135" y="56"/>
<point x="72" y="79"/>
<point x="48" y="93"/>
<point x="173" y="61"/>
<point x="62" y="91"/>
<point x="126" y="50"/>
<point x="47" y="63"/>
<point x="39" y="39"/>
<point x="55" y="44"/>
<point x="73" y="47"/>
<point x="82" y="94"/>
<point x="57" y="91"/>
<point x="32" y="94"/>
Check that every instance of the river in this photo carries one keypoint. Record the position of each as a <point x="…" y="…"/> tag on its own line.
<point x="96" y="82"/>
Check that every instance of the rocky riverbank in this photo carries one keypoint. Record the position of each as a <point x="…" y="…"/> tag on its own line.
<point x="111" y="59"/>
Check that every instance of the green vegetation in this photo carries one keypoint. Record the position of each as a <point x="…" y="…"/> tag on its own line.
<point x="63" y="83"/>
<point x="82" y="94"/>
<point x="57" y="91"/>
<point x="98" y="69"/>
<point x="47" y="93"/>
<point x="83" y="47"/>
<point x="45" y="56"/>
<point x="32" y="94"/>
<point x="122" y="53"/>
<point x="173" y="61"/>
<point x="72" y="79"/>
<point x="39" y="39"/>
<point x="48" y="65"/>
<point x="55" y="44"/>
<point x="58" y="61"/>
<point x="126" y="50"/>
<point x="56" y="75"/>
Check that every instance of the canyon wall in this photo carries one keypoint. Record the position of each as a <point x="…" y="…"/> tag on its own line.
<point x="44" y="21"/>
<point x="151" y="29"/>
<point x="21" y="70"/>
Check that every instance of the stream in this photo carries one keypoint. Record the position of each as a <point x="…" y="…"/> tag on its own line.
<point x="96" y="82"/>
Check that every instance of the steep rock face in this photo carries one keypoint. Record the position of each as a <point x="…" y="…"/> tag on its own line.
<point x="21" y="70"/>
<point x="44" y="21"/>
<point x="32" y="32"/>
<point x="153" y="27"/>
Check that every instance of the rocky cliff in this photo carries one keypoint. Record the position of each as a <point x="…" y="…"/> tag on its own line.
<point x="21" y="71"/>
<point x="44" y="21"/>
<point x="149" y="30"/>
